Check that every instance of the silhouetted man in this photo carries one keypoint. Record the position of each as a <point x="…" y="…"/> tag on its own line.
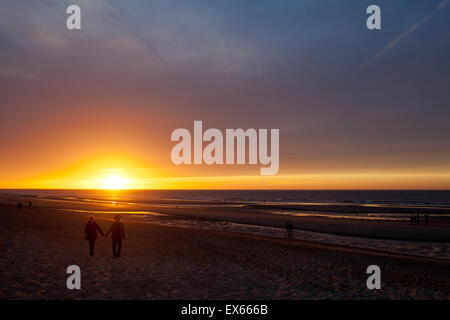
<point x="117" y="231"/>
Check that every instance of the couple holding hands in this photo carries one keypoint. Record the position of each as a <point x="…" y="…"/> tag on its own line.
<point x="117" y="231"/>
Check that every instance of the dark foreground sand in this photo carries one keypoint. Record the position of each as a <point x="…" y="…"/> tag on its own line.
<point x="159" y="262"/>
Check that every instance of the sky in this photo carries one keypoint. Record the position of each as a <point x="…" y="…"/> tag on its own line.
<point x="95" y="108"/>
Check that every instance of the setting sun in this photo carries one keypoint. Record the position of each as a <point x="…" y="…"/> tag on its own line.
<point x="115" y="182"/>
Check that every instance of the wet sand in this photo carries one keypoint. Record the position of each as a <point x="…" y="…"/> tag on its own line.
<point x="168" y="262"/>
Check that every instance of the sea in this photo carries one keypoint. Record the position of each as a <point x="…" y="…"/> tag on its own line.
<point x="414" y="197"/>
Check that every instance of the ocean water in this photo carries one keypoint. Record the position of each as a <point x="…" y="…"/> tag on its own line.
<point x="425" y="197"/>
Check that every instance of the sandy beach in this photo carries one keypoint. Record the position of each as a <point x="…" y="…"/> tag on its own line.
<point x="163" y="261"/>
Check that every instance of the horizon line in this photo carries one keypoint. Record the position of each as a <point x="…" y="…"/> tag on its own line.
<point x="167" y="189"/>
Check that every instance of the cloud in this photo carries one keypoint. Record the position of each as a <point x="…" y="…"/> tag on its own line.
<point x="394" y="42"/>
<point x="134" y="34"/>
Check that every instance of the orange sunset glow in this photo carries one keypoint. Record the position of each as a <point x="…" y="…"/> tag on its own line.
<point x="120" y="174"/>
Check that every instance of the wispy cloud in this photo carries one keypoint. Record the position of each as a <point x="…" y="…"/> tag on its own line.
<point x="136" y="36"/>
<point x="394" y="42"/>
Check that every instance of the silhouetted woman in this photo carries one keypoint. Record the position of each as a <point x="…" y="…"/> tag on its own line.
<point x="90" y="231"/>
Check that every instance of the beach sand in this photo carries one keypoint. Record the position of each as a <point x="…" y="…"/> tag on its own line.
<point x="170" y="262"/>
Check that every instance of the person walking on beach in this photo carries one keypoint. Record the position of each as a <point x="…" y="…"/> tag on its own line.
<point x="289" y="230"/>
<point x="90" y="231"/>
<point x="117" y="231"/>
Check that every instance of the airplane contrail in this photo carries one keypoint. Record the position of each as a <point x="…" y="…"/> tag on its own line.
<point x="394" y="42"/>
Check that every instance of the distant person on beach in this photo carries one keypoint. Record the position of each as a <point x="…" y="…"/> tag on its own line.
<point x="90" y="231"/>
<point x="19" y="205"/>
<point x="30" y="204"/>
<point x="117" y="231"/>
<point x="289" y="230"/>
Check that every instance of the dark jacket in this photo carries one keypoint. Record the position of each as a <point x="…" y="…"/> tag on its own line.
<point x="91" y="229"/>
<point x="117" y="231"/>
